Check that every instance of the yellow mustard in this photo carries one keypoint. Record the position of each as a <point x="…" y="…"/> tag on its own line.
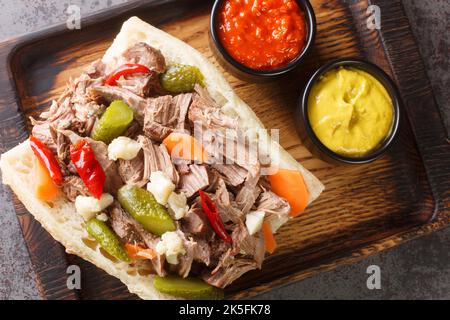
<point x="350" y="111"/>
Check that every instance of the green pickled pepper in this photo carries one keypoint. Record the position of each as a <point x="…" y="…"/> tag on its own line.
<point x="188" y="288"/>
<point x="143" y="207"/>
<point x="114" y="121"/>
<point x="107" y="239"/>
<point x="180" y="78"/>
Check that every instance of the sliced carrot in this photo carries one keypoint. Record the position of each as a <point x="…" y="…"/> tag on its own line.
<point x="185" y="146"/>
<point x="269" y="239"/>
<point x="290" y="185"/>
<point x="138" y="253"/>
<point x="45" y="188"/>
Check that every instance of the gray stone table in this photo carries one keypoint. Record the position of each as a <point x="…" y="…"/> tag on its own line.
<point x="419" y="269"/>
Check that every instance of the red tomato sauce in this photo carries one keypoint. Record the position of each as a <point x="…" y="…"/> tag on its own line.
<point x="262" y="34"/>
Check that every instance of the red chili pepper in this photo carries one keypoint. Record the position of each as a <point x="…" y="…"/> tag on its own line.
<point x="128" y="68"/>
<point x="213" y="216"/>
<point x="47" y="159"/>
<point x="89" y="169"/>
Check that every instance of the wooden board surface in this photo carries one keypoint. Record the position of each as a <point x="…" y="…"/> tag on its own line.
<point x="364" y="209"/>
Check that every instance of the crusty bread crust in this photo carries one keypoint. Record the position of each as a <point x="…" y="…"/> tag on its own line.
<point x="65" y="226"/>
<point x="59" y="217"/>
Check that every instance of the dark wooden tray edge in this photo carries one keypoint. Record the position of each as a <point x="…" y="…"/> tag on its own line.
<point x="419" y="102"/>
<point x="436" y="154"/>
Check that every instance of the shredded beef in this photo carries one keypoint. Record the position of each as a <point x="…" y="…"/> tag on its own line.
<point x="132" y="171"/>
<point x="146" y="55"/>
<point x="165" y="114"/>
<point x="107" y="94"/>
<point x="205" y="111"/>
<point x="276" y="208"/>
<point x="233" y="174"/>
<point x="130" y="231"/>
<point x="225" y="276"/>
<point x="195" y="221"/>
<point x="156" y="158"/>
<point x="73" y="187"/>
<point x="196" y="179"/>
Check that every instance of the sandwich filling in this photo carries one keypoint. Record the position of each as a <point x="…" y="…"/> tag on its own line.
<point x="150" y="187"/>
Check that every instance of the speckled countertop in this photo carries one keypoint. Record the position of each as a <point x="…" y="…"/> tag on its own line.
<point x="419" y="269"/>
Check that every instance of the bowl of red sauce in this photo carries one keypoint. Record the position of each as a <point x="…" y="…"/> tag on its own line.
<point x="262" y="38"/>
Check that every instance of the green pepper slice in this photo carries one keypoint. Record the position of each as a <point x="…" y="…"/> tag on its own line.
<point x="142" y="205"/>
<point x="113" y="122"/>
<point x="188" y="288"/>
<point x="107" y="239"/>
<point x="180" y="78"/>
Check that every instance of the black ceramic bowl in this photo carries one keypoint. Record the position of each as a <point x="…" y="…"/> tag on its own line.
<point x="306" y="132"/>
<point x="242" y="71"/>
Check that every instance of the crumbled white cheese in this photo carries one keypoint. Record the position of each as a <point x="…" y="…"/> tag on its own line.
<point x="102" y="217"/>
<point x="253" y="221"/>
<point x="160" y="186"/>
<point x="88" y="207"/>
<point x="123" y="148"/>
<point x="178" y="205"/>
<point x="171" y="245"/>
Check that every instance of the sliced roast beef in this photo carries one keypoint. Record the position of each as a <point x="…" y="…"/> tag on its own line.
<point x="247" y="245"/>
<point x="156" y="158"/>
<point x="130" y="231"/>
<point x="196" y="179"/>
<point x="164" y="114"/>
<point x="143" y="85"/>
<point x="59" y="116"/>
<point x="276" y="209"/>
<point x="96" y="70"/>
<point x="224" y="201"/>
<point x="132" y="171"/>
<point x="202" y="251"/>
<point x="228" y="147"/>
<point x="73" y="187"/>
<point x="74" y="110"/>
<point x="205" y="111"/>
<point x="182" y="165"/>
<point x="225" y="276"/>
<point x="146" y="55"/>
<point x="234" y="174"/>
<point x="125" y="226"/>
<point x="196" y="250"/>
<point x="107" y="94"/>
<point x="218" y="249"/>
<point x="185" y="261"/>
<point x="246" y="254"/>
<point x="195" y="221"/>
<point x="151" y="158"/>
<point x="133" y="131"/>
<point x="246" y="197"/>
<point x="62" y="145"/>
<point x="138" y="83"/>
<point x="86" y="111"/>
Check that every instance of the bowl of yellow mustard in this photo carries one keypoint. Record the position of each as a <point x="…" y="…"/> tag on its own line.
<point x="349" y="112"/>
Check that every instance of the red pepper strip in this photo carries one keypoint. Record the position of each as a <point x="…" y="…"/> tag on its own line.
<point x="89" y="169"/>
<point x="126" y="69"/>
<point x="47" y="159"/>
<point x="213" y="216"/>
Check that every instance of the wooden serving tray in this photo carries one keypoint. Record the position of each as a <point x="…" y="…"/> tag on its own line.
<point x="364" y="209"/>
